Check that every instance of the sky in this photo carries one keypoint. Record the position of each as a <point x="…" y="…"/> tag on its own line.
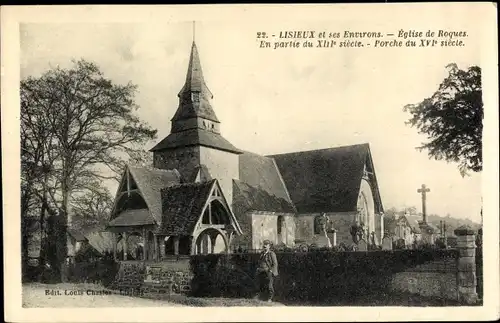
<point x="277" y="101"/>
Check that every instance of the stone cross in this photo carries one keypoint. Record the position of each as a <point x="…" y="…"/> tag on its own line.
<point x="424" y="190"/>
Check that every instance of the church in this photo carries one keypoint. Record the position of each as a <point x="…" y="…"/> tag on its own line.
<point x="204" y="195"/>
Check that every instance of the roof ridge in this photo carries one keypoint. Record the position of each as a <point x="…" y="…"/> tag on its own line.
<point x="173" y="170"/>
<point x="189" y="184"/>
<point x="321" y="149"/>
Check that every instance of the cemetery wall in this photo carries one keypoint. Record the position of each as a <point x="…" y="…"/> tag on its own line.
<point x="436" y="278"/>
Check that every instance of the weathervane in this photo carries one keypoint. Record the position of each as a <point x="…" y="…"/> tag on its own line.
<point x="194" y="30"/>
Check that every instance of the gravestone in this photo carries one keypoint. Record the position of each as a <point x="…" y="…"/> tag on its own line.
<point x="362" y="246"/>
<point x="387" y="243"/>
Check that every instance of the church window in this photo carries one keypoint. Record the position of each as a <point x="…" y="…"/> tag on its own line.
<point x="195" y="97"/>
<point x="318" y="223"/>
<point x="280" y="224"/>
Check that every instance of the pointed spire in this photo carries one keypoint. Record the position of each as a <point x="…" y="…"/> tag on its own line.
<point x="194" y="97"/>
<point x="195" y="81"/>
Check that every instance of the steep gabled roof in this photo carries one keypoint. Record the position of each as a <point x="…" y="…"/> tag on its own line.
<point x="132" y="218"/>
<point x="182" y="206"/>
<point x="326" y="180"/>
<point x="150" y="181"/>
<point x="262" y="173"/>
<point x="195" y="137"/>
<point x="102" y="241"/>
<point x="249" y="198"/>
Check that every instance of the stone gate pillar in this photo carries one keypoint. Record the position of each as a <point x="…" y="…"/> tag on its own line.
<point x="466" y="245"/>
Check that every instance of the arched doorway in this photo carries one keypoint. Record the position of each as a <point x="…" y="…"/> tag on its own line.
<point x="366" y="209"/>
<point x="209" y="241"/>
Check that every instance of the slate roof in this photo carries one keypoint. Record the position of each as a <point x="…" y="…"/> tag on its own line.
<point x="195" y="137"/>
<point x="249" y="198"/>
<point x="325" y="180"/>
<point x="131" y="218"/>
<point x="200" y="174"/>
<point x="195" y="83"/>
<point x="182" y="207"/>
<point x="260" y="186"/>
<point x="101" y="241"/>
<point x="150" y="181"/>
<point x="262" y="172"/>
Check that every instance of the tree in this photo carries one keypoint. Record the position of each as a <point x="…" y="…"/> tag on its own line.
<point x="89" y="130"/>
<point x="93" y="207"/>
<point x="141" y="158"/>
<point x="452" y="119"/>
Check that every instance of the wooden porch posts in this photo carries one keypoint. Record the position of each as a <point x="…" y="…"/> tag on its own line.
<point x="124" y="237"/>
<point x="156" y="251"/>
<point x="115" y="246"/>
<point x="176" y="245"/>
<point x="146" y="247"/>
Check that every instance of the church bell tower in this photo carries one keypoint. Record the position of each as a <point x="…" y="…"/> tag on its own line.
<point x="195" y="146"/>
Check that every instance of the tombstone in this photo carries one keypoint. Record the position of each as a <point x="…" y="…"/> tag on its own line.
<point x="362" y="246"/>
<point x="386" y="243"/>
<point x="400" y="244"/>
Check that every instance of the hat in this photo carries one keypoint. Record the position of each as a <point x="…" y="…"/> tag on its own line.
<point x="265" y="242"/>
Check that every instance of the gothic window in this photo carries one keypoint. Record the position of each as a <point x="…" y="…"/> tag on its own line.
<point x="318" y="224"/>
<point x="280" y="224"/>
<point x="195" y="97"/>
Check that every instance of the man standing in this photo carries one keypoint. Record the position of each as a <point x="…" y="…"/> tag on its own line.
<point x="266" y="271"/>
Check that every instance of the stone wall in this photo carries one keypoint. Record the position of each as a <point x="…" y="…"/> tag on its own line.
<point x="341" y="222"/>
<point x="166" y="277"/>
<point x="265" y="226"/>
<point x="223" y="166"/>
<point x="435" y="278"/>
<point x="185" y="160"/>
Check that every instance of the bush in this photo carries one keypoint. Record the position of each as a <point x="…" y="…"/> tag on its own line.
<point x="92" y="267"/>
<point x="308" y="276"/>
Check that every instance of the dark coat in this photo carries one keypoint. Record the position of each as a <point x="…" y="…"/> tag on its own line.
<point x="269" y="261"/>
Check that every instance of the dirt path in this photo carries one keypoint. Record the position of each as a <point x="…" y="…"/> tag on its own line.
<point x="82" y="295"/>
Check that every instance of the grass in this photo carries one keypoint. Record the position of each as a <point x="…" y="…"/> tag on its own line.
<point x="34" y="295"/>
<point x="384" y="299"/>
<point x="211" y="301"/>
